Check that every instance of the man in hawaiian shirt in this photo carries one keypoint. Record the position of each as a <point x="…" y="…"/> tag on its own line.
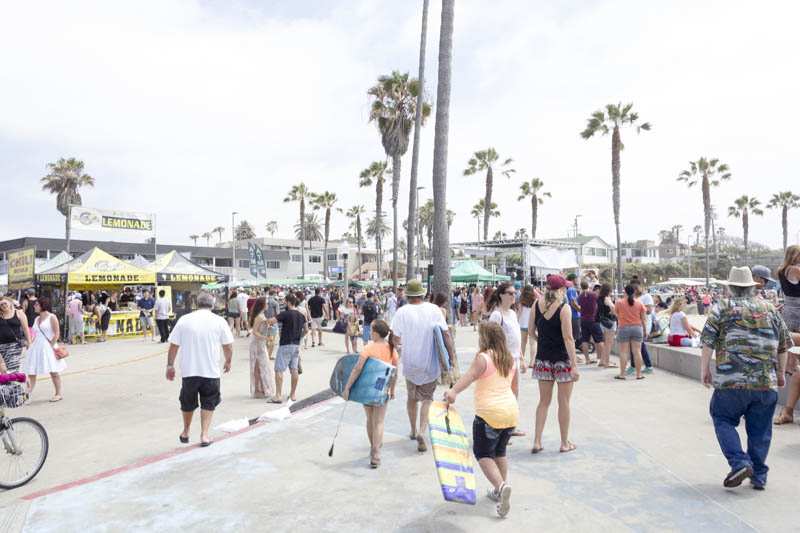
<point x="750" y="340"/>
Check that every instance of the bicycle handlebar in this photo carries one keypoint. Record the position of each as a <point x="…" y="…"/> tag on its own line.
<point x="10" y="378"/>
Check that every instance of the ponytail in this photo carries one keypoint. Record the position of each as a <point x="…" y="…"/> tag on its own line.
<point x="390" y="340"/>
<point x="630" y="290"/>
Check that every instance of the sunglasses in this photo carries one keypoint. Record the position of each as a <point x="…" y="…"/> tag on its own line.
<point x="512" y="293"/>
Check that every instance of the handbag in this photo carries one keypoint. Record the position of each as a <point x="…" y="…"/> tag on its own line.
<point x="60" y="351"/>
<point x="340" y="326"/>
<point x="324" y="322"/>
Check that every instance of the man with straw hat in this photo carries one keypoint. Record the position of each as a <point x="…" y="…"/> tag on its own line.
<point x="412" y="327"/>
<point x="750" y="339"/>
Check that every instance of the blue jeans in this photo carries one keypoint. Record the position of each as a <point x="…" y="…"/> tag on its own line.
<point x="728" y="406"/>
<point x="366" y="333"/>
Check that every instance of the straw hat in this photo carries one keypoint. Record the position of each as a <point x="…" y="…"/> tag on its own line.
<point x="414" y="288"/>
<point x="741" y="277"/>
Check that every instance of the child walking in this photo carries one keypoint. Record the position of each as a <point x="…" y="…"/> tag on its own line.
<point x="496" y="409"/>
<point x="381" y="347"/>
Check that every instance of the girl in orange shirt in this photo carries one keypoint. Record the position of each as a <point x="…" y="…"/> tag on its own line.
<point x="382" y="348"/>
<point x="632" y="318"/>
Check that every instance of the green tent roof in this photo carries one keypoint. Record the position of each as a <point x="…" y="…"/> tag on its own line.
<point x="472" y="272"/>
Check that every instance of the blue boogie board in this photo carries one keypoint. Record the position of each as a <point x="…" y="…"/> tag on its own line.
<point x="441" y="349"/>
<point x="371" y="387"/>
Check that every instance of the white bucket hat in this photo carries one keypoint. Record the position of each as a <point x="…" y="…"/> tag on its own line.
<point x="741" y="277"/>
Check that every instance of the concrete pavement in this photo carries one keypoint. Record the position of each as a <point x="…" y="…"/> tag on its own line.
<point x="647" y="460"/>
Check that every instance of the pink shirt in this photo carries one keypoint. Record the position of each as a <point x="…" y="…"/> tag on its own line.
<point x="75" y="307"/>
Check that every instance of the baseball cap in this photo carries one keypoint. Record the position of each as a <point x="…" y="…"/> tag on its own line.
<point x="556" y="282"/>
<point x="760" y="271"/>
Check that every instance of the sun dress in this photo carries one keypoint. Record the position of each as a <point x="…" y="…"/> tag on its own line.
<point x="40" y="358"/>
<point x="262" y="374"/>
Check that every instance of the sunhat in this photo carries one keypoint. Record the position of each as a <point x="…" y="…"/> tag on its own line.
<point x="414" y="288"/>
<point x="741" y="277"/>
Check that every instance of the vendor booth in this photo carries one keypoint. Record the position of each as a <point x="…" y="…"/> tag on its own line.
<point x="91" y="273"/>
<point x="182" y="280"/>
<point x="473" y="272"/>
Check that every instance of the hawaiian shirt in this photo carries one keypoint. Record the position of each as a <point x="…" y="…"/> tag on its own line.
<point x="747" y="335"/>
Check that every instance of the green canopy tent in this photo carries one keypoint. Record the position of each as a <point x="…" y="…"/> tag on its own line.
<point x="472" y="272"/>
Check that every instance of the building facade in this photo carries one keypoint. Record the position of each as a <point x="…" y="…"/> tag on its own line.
<point x="643" y="251"/>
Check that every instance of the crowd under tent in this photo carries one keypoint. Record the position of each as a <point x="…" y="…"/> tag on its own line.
<point x="181" y="279"/>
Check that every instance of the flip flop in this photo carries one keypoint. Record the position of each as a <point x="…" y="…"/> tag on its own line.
<point x="184" y="440"/>
<point x="640" y="377"/>
<point x="783" y="419"/>
<point x="622" y="378"/>
<point x="274" y="400"/>
<point x="206" y="443"/>
<point x="536" y="450"/>
<point x="56" y="399"/>
<point x="570" y="448"/>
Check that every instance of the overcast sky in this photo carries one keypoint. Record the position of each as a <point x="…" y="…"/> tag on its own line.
<point x="193" y="109"/>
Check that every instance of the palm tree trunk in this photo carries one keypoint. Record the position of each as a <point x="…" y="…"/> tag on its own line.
<point x="707" y="224"/>
<point x="378" y="225"/>
<point x="487" y="201"/>
<point x="478" y="220"/>
<point x="358" y="231"/>
<point x="327" y="235"/>
<point x="441" y="258"/>
<point x="411" y="231"/>
<point x="534" y="215"/>
<point x="302" y="238"/>
<point x="616" y="145"/>
<point x="68" y="228"/>
<point x="785" y="225"/>
<point x="745" y="232"/>
<point x="396" y="162"/>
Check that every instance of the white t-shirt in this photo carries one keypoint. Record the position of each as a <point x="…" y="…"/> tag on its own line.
<point x="200" y="335"/>
<point x="676" y="324"/>
<point x="162" y="308"/>
<point x="646" y="299"/>
<point x="414" y="324"/>
<point x="510" y="325"/>
<point x="524" y="316"/>
<point x="242" y="299"/>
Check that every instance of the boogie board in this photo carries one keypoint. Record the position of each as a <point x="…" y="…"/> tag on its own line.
<point x="371" y="387"/>
<point x="451" y="451"/>
<point x="441" y="349"/>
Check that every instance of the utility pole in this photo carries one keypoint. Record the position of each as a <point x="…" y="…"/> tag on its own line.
<point x="575" y="226"/>
<point x="419" y="234"/>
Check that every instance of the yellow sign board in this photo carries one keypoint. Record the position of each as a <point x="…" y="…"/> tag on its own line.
<point x="111" y="278"/>
<point x="21" y="267"/>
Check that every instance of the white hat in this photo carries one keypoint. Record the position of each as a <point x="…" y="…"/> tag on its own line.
<point x="741" y="277"/>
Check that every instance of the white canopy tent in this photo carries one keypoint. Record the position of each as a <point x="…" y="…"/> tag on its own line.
<point x="547" y="260"/>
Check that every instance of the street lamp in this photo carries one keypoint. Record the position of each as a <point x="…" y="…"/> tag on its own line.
<point x="419" y="232"/>
<point x="233" y="247"/>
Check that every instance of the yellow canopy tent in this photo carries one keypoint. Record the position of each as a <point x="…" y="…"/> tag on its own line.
<point x="96" y="269"/>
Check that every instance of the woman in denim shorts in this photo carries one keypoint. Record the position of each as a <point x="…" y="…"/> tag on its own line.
<point x="632" y="317"/>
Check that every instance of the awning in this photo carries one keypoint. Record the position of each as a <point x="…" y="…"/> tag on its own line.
<point x="472" y="272"/>
<point x="175" y="268"/>
<point x="99" y="268"/>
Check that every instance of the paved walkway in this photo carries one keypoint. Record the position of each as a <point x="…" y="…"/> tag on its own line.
<point x="647" y="460"/>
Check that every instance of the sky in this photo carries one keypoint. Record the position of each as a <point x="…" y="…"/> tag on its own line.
<point x="193" y="109"/>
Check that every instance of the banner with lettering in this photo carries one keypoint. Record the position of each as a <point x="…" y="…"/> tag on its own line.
<point x="105" y="220"/>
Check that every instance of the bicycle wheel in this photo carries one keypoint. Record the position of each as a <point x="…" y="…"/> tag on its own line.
<point x="23" y="450"/>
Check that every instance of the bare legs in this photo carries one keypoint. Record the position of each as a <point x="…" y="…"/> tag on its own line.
<point x="205" y="423"/>
<point x="279" y="385"/>
<point x="411" y="407"/>
<point x="545" y="397"/>
<point x="54" y="376"/>
<point x="604" y="348"/>
<point x="495" y="470"/>
<point x="375" y="421"/>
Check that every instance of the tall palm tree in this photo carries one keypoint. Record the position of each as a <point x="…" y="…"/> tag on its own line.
<point x="676" y="229"/>
<point x="377" y="229"/>
<point x="611" y="120"/>
<point x="441" y="235"/>
<point x="64" y="179"/>
<point x="311" y="230"/>
<point x="784" y="200"/>
<point x="355" y="213"/>
<point x="521" y="233"/>
<point x="325" y="200"/>
<point x="697" y="230"/>
<point x="393" y="109"/>
<point x="194" y="239"/>
<point x="426" y="223"/>
<point x="480" y="207"/>
<point x="299" y="193"/>
<point x="487" y="160"/>
<point x="710" y="173"/>
<point x="411" y="229"/>
<point x="207" y="237"/>
<point x="743" y="207"/>
<point x="272" y="227"/>
<point x="375" y="174"/>
<point x="532" y="188"/>
<point x="244" y="231"/>
<point x="220" y="230"/>
<point x="477" y="214"/>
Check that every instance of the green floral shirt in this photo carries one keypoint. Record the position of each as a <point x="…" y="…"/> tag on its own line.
<point x="747" y="335"/>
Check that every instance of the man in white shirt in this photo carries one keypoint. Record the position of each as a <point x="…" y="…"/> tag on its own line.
<point x="412" y="327"/>
<point x="242" y="296"/>
<point x="202" y="337"/>
<point x="163" y="309"/>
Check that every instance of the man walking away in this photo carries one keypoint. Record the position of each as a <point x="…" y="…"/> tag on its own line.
<point x="590" y="328"/>
<point x="369" y="312"/>
<point x="413" y="335"/>
<point x="316" y="307"/>
<point x="750" y="339"/>
<point x="163" y="310"/>
<point x="242" y="297"/>
<point x="293" y="328"/>
<point x="199" y="337"/>
<point x="146" y="305"/>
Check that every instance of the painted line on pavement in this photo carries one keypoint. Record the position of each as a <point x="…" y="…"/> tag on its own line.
<point x="111" y="365"/>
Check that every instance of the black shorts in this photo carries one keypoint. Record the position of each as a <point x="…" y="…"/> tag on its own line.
<point x="206" y="389"/>
<point x="591" y="330"/>
<point x="231" y="314"/>
<point x="488" y="442"/>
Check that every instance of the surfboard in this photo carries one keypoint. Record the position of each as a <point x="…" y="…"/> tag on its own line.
<point x="452" y="453"/>
<point x="371" y="387"/>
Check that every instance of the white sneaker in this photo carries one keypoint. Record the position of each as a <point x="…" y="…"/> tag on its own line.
<point x="504" y="505"/>
<point x="493" y="495"/>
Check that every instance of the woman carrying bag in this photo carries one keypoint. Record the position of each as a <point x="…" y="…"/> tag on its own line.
<point x="45" y="356"/>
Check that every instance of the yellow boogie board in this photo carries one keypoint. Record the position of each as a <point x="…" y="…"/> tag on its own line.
<point x="452" y="453"/>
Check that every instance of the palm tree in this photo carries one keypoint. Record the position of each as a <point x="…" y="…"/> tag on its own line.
<point x="393" y="109"/>
<point x="441" y="235"/>
<point x="194" y="238"/>
<point x="312" y="230"/>
<point x="784" y="200"/>
<point x="477" y="214"/>
<point x="500" y="236"/>
<point x="244" y="231"/>
<point x="377" y="229"/>
<point x="480" y="207"/>
<point x="486" y="160"/>
<point x="710" y="173"/>
<point x="298" y="193"/>
<point x="697" y="230"/>
<point x="272" y="227"/>
<point x="521" y="233"/>
<point x="64" y="179"/>
<point x="220" y="230"/>
<point x="611" y="120"/>
<point x="207" y="237"/>
<point x="532" y="188"/>
<point x="375" y="174"/>
<point x="676" y="229"/>
<point x="326" y="201"/>
<point x="355" y="213"/>
<point x="411" y="229"/>
<point x="426" y="223"/>
<point x="743" y="207"/>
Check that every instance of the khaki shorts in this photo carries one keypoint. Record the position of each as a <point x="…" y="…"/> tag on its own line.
<point x="316" y="324"/>
<point x="421" y="393"/>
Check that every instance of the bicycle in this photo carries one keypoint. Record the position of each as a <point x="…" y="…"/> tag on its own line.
<point x="24" y="441"/>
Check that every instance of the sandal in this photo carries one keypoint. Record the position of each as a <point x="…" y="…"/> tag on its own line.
<point x="56" y="399"/>
<point x="783" y="419"/>
<point x="275" y="400"/>
<point x="184" y="440"/>
<point x="570" y="448"/>
<point x="640" y="377"/>
<point x="537" y="450"/>
<point x="517" y="433"/>
<point x="623" y="378"/>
